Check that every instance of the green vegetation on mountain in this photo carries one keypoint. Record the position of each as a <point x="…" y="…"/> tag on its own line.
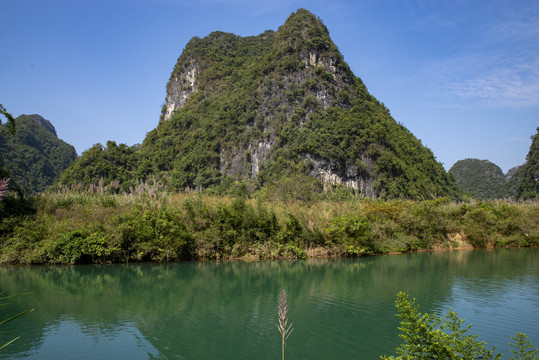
<point x="33" y="155"/>
<point x="528" y="174"/>
<point x="113" y="164"/>
<point x="481" y="178"/>
<point x="10" y="120"/>
<point x="485" y="180"/>
<point x="513" y="179"/>
<point x="272" y="111"/>
<point x="4" y="174"/>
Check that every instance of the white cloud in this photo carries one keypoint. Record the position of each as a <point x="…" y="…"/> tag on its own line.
<point x="463" y="84"/>
<point x="500" y="69"/>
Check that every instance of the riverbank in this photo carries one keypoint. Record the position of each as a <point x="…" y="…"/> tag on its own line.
<point x="77" y="228"/>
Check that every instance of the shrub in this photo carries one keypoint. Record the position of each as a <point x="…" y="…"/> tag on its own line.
<point x="81" y="246"/>
<point x="155" y="234"/>
<point x="480" y="225"/>
<point x="352" y="232"/>
<point x="427" y="336"/>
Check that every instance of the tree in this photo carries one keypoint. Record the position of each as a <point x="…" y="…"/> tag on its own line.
<point x="4" y="174"/>
<point x="10" y="120"/>
<point x="427" y="336"/>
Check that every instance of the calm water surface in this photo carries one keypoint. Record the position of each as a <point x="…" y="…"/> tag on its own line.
<point x="340" y="308"/>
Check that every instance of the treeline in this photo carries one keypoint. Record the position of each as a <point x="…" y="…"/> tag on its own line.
<point x="77" y="226"/>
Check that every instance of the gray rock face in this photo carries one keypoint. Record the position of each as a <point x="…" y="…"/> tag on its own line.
<point x="179" y="88"/>
<point x="349" y="176"/>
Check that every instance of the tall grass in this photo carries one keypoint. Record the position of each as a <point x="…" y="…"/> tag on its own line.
<point x="76" y="225"/>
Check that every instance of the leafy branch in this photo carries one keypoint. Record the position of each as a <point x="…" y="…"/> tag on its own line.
<point x="10" y="120"/>
<point x="13" y="317"/>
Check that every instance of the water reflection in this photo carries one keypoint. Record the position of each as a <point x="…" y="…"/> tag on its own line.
<point x="340" y="308"/>
<point x="69" y="338"/>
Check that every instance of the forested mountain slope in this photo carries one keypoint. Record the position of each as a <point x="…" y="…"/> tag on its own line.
<point x="481" y="178"/>
<point x="34" y="155"/>
<point x="527" y="184"/>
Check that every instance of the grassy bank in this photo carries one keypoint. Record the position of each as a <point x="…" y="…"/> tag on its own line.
<point x="80" y="227"/>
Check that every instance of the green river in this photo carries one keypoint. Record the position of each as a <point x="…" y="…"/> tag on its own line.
<point x="340" y="308"/>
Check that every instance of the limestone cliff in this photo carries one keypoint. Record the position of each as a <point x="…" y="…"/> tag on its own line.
<point x="180" y="86"/>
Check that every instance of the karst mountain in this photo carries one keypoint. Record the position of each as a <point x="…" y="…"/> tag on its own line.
<point x="280" y="111"/>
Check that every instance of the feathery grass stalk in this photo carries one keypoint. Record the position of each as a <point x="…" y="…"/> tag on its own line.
<point x="4" y="186"/>
<point x="284" y="329"/>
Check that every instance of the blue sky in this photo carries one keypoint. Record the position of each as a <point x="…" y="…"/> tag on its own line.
<point x="463" y="76"/>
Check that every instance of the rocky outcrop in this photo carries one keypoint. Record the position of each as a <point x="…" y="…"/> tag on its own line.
<point x="350" y="175"/>
<point x="180" y="87"/>
<point x="260" y="153"/>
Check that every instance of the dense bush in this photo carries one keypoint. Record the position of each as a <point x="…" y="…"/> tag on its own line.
<point x="89" y="227"/>
<point x="157" y="234"/>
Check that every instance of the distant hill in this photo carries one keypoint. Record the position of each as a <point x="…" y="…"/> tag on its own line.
<point x="34" y="155"/>
<point x="280" y="111"/>
<point x="485" y="180"/>
<point x="480" y="178"/>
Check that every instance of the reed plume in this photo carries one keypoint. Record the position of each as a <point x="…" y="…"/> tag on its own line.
<point x="4" y="186"/>
<point x="284" y="328"/>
